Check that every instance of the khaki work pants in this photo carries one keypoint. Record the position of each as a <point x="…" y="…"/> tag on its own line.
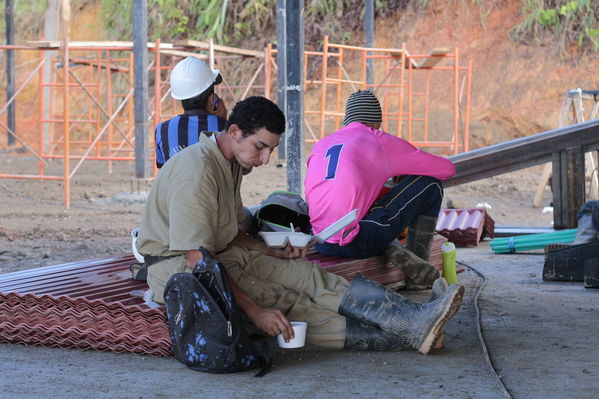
<point x="300" y="289"/>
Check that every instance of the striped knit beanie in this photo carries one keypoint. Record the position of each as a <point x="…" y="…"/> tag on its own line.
<point x="363" y="106"/>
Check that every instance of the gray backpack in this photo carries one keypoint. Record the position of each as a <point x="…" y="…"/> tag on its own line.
<point x="280" y="209"/>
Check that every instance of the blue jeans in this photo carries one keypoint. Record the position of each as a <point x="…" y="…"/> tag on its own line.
<point x="389" y="216"/>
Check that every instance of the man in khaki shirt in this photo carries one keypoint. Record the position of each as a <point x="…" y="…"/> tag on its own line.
<point x="195" y="202"/>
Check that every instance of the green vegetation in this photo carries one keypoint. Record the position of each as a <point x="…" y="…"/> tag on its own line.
<point x="29" y="18"/>
<point x="570" y="22"/>
<point x="232" y="21"/>
<point x="25" y="13"/>
<point x="169" y="19"/>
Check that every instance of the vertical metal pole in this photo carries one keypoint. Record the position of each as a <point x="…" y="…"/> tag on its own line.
<point x="41" y="106"/>
<point x="140" y="86"/>
<point x="468" y="98"/>
<point x="109" y="100"/>
<point x="369" y="36"/>
<point x="10" y="70"/>
<point x="323" y="87"/>
<point x="402" y="69"/>
<point x="338" y="102"/>
<point x="281" y="68"/>
<point x="157" y="95"/>
<point x="267" y="69"/>
<point x="456" y="102"/>
<point x="294" y="91"/>
<point x="51" y="23"/>
<point x="65" y="24"/>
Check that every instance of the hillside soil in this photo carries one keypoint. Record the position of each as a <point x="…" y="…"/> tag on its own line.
<point x="518" y="88"/>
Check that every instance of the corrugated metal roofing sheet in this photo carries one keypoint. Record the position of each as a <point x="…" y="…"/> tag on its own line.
<point x="465" y="227"/>
<point x="86" y="304"/>
<point x="95" y="304"/>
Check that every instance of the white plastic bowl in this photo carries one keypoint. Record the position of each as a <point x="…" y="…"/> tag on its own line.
<point x="278" y="239"/>
<point x="298" y="239"/>
<point x="274" y="239"/>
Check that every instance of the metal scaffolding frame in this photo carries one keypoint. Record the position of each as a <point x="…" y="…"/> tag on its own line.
<point x="97" y="87"/>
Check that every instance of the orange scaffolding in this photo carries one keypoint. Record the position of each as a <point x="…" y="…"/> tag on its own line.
<point x="406" y="84"/>
<point x="85" y="109"/>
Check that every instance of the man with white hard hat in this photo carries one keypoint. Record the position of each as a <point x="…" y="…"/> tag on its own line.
<point x="192" y="82"/>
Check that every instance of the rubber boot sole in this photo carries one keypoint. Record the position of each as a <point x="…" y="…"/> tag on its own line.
<point x="437" y="330"/>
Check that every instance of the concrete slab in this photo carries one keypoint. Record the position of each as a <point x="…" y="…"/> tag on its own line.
<point x="540" y="335"/>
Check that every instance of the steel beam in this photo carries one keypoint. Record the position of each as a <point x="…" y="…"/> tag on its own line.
<point x="564" y="147"/>
<point x="281" y="69"/>
<point x="522" y="152"/>
<point x="10" y="71"/>
<point x="369" y="38"/>
<point x="140" y="85"/>
<point x="294" y="89"/>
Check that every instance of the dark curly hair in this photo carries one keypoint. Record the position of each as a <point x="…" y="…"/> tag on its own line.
<point x="255" y="113"/>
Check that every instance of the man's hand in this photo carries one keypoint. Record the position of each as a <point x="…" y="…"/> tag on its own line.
<point x="273" y="322"/>
<point x="290" y="252"/>
<point x="192" y="257"/>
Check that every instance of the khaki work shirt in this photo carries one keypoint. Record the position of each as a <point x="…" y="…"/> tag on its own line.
<point x="194" y="202"/>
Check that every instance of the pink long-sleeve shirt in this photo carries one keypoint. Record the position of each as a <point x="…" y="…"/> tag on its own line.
<point x="348" y="169"/>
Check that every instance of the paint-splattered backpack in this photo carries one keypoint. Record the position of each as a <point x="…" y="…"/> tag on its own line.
<point x="205" y="323"/>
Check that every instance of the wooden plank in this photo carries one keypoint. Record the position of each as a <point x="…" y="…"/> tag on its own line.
<point x="568" y="186"/>
<point x="576" y="184"/>
<point x="56" y="44"/>
<point x="559" y="219"/>
<point x="542" y="184"/>
<point x="96" y="63"/>
<point x="396" y="53"/>
<point x="217" y="47"/>
<point x="434" y="58"/>
<point x="565" y="118"/>
<point x="181" y="53"/>
<point x="584" y="94"/>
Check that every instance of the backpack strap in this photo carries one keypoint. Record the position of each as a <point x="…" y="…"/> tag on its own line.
<point x="265" y="359"/>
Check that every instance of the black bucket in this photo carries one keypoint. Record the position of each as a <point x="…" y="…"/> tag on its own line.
<point x="591" y="273"/>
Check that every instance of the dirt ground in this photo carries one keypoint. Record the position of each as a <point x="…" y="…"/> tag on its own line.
<point x="37" y="230"/>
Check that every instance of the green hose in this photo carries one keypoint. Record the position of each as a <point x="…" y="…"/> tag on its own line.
<point x="532" y="241"/>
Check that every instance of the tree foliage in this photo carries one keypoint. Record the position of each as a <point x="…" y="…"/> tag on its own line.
<point x="232" y="22"/>
<point x="569" y="22"/>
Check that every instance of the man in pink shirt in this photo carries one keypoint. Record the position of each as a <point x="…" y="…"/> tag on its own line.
<point x="348" y="169"/>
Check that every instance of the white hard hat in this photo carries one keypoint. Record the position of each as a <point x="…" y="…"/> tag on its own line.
<point x="190" y="78"/>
